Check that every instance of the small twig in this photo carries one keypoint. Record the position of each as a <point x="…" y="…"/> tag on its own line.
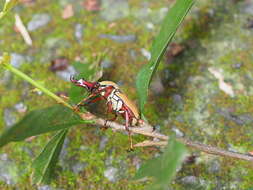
<point x="151" y="143"/>
<point x="145" y="129"/>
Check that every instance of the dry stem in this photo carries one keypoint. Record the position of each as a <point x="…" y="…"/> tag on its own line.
<point x="147" y="130"/>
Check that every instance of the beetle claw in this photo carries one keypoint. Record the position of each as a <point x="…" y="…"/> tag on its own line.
<point x="76" y="108"/>
<point x="105" y="127"/>
<point x="130" y="149"/>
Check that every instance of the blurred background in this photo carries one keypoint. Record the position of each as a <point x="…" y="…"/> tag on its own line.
<point x="202" y="90"/>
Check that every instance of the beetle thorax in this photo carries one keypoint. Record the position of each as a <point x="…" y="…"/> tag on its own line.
<point x="115" y="101"/>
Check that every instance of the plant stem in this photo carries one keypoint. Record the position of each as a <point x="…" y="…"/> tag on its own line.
<point x="6" y="63"/>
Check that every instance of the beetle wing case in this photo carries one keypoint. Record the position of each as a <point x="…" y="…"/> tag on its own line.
<point x="129" y="104"/>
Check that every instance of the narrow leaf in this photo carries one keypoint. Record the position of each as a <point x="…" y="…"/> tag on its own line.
<point x="169" y="27"/>
<point x="9" y="4"/>
<point x="45" y="163"/>
<point x="164" y="167"/>
<point x="41" y="121"/>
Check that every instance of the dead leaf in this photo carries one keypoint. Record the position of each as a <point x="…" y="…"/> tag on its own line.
<point x="225" y="87"/>
<point x="29" y="139"/>
<point x="251" y="153"/>
<point x="92" y="5"/>
<point x="20" y="27"/>
<point x="175" y="49"/>
<point x="68" y="11"/>
<point x="27" y="2"/>
<point x="59" y="64"/>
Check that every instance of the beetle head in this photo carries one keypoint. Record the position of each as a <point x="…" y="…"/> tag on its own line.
<point x="90" y="86"/>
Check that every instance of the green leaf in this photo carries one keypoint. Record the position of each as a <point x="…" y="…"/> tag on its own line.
<point x="164" y="167"/>
<point x="41" y="121"/>
<point x="45" y="163"/>
<point x="169" y="26"/>
<point x="9" y="4"/>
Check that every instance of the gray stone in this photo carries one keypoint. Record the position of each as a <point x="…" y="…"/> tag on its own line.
<point x="111" y="174"/>
<point x="189" y="180"/>
<point x="79" y="28"/>
<point x="146" y="53"/>
<point x="247" y="7"/>
<point x="17" y="60"/>
<point x="63" y="3"/>
<point x="133" y="54"/>
<point x="106" y="64"/>
<point x="178" y="132"/>
<point x="65" y="74"/>
<point x="136" y="162"/>
<point x="246" y="118"/>
<point x="238" y="119"/>
<point x="8" y="170"/>
<point x="103" y="142"/>
<point x="119" y="38"/>
<point x="20" y="107"/>
<point x="112" y="10"/>
<point x="177" y="99"/>
<point x="63" y="158"/>
<point x="45" y="187"/>
<point x="56" y="43"/>
<point x="78" y="167"/>
<point x="109" y="160"/>
<point x="143" y="12"/>
<point x="9" y="117"/>
<point x="157" y="128"/>
<point x="214" y="166"/>
<point x="237" y="65"/>
<point x="158" y="16"/>
<point x="38" y="21"/>
<point x="6" y="77"/>
<point x="150" y="26"/>
<point x="157" y="85"/>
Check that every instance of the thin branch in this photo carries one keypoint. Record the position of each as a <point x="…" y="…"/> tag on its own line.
<point x="145" y="129"/>
<point x="151" y="143"/>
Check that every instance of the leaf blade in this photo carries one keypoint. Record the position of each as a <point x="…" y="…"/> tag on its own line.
<point x="169" y="27"/>
<point x="41" y="121"/>
<point x="45" y="163"/>
<point x="164" y="167"/>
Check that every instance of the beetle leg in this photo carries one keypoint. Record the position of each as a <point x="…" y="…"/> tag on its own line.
<point x="87" y="100"/>
<point x="127" y="128"/>
<point x="109" y="109"/>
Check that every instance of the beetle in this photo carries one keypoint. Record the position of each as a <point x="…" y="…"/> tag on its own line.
<point x="117" y="102"/>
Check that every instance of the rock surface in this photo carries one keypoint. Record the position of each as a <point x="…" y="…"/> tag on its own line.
<point x="112" y="10"/>
<point x="38" y="21"/>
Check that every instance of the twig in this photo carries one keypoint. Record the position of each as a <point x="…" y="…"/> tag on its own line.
<point x="145" y="129"/>
<point x="151" y="143"/>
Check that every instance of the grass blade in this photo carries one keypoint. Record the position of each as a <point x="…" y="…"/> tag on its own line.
<point x="9" y="4"/>
<point x="45" y="163"/>
<point x="169" y="27"/>
<point x="41" y="121"/>
<point x="164" y="167"/>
